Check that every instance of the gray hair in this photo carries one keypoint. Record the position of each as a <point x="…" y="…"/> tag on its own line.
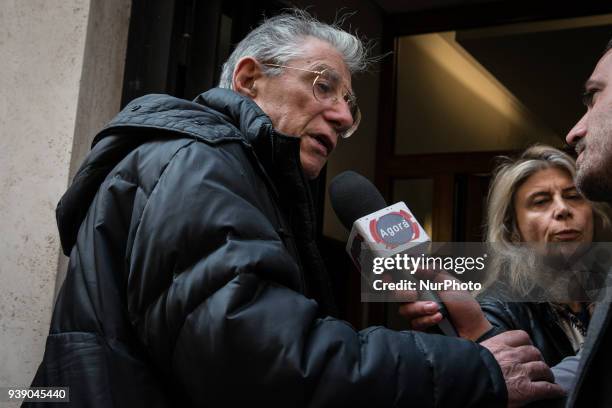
<point x="279" y="39"/>
<point x="608" y="47"/>
<point x="502" y="228"/>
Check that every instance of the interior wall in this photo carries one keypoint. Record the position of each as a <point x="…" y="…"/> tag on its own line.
<point x="59" y="78"/>
<point x="447" y="102"/>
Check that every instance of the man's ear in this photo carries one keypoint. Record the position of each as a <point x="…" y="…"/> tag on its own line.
<point x="247" y="71"/>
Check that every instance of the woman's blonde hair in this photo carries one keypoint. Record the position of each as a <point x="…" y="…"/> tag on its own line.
<point x="501" y="225"/>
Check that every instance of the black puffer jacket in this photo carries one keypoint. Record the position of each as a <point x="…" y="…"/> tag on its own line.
<point x="537" y="319"/>
<point x="194" y="279"/>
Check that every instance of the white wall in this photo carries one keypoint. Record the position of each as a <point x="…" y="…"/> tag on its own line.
<point x="62" y="69"/>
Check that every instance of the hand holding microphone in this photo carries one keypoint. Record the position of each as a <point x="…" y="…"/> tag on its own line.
<point x="465" y="314"/>
<point x="364" y="212"/>
<point x="377" y="229"/>
<point x="361" y="208"/>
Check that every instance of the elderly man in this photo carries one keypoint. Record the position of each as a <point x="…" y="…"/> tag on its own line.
<point x="592" y="137"/>
<point x="194" y="277"/>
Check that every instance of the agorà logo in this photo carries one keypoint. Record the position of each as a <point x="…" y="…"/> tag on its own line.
<point x="394" y="229"/>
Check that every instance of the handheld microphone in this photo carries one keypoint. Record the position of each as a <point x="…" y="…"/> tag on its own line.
<point x="379" y="229"/>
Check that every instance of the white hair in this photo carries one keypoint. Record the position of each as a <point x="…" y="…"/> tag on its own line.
<point x="281" y="38"/>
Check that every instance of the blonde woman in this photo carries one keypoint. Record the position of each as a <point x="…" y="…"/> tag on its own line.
<point x="533" y="199"/>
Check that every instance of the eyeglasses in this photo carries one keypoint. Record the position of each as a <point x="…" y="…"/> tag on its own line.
<point x="328" y="89"/>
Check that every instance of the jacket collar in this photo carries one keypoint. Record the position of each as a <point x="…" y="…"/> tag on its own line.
<point x="216" y="116"/>
<point x="239" y="110"/>
<point x="278" y="153"/>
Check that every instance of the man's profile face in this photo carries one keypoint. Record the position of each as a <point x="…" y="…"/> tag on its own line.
<point x="592" y="135"/>
<point x="289" y="102"/>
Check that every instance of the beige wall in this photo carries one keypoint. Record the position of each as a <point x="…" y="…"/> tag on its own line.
<point x="62" y="65"/>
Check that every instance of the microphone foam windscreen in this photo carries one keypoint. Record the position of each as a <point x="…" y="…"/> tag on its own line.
<point x="353" y="196"/>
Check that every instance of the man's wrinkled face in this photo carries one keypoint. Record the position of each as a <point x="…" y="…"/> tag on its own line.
<point x="592" y="135"/>
<point x="289" y="102"/>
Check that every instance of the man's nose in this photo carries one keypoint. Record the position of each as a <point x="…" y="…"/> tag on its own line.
<point x="340" y="116"/>
<point x="578" y="131"/>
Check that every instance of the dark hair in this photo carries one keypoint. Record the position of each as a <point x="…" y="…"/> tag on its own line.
<point x="608" y="47"/>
